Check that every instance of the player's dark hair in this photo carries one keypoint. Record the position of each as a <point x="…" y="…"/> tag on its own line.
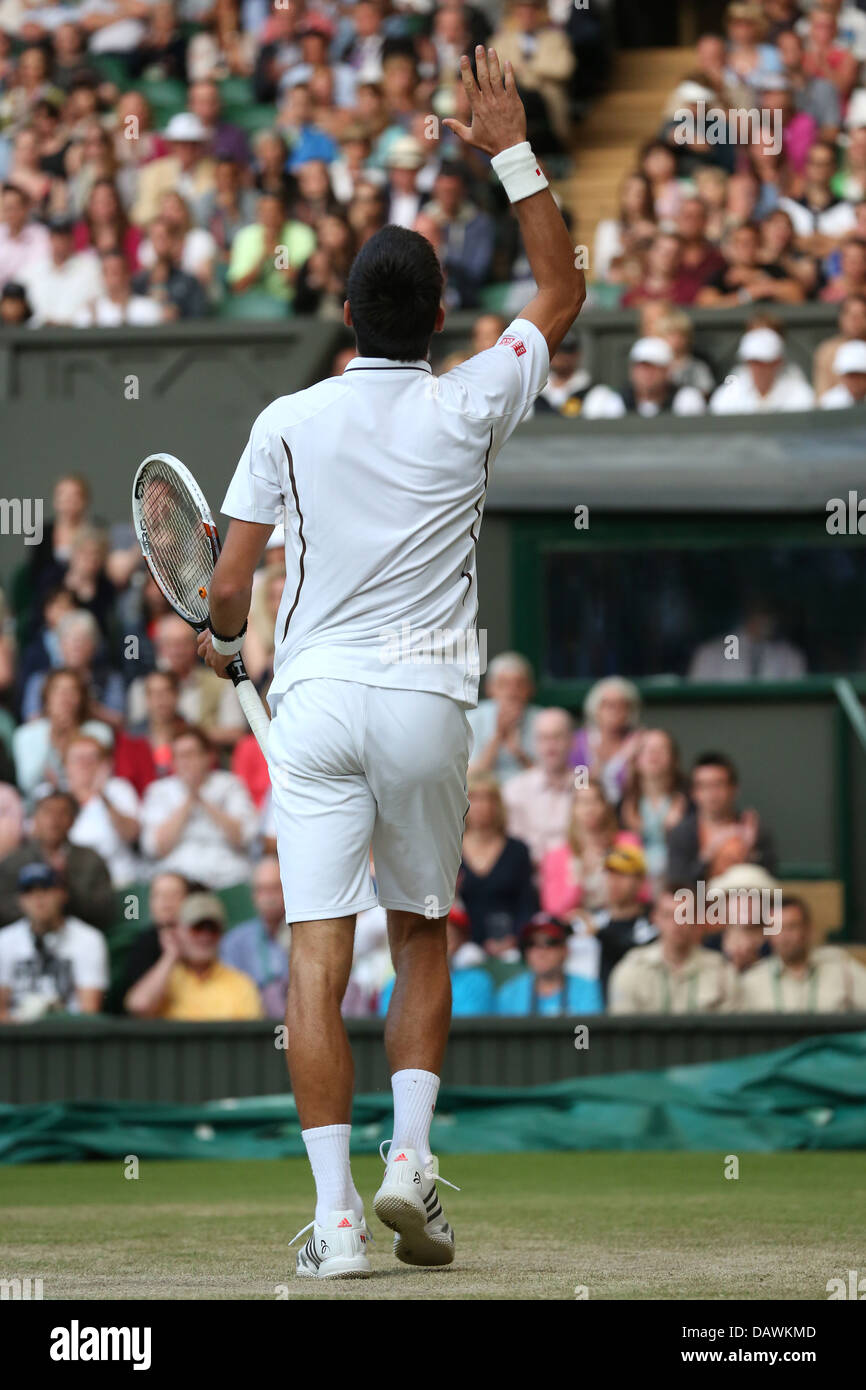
<point x="717" y="760"/>
<point x="394" y="289"/>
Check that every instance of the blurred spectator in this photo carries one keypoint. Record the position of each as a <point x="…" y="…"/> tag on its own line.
<point x="852" y="325"/>
<point x="815" y="96"/>
<point x="633" y="228"/>
<point x="569" y="390"/>
<point x="70" y="504"/>
<point x="571" y="876"/>
<point x="495" y="879"/>
<point x="199" y="822"/>
<point x="228" y="207"/>
<point x="81" y="649"/>
<point x="268" y="254"/>
<point x="825" y="56"/>
<point x="544" y="989"/>
<point x="538" y="801"/>
<point x="177" y="294"/>
<point x="801" y="977"/>
<point x="467" y="237"/>
<point x="11" y="819"/>
<point x="503" y="723"/>
<point x="189" y="169"/>
<point x="610" y="734"/>
<point x="24" y="243"/>
<point x="651" y="389"/>
<point x="163" y="719"/>
<point x="749" y="58"/>
<point x="673" y="975"/>
<point x="108" y="808"/>
<point x="198" y="249"/>
<point x="715" y="834"/>
<point x="622" y="922"/>
<point x="203" y="698"/>
<point x="753" y="651"/>
<point x="64" y="282"/>
<point x="541" y="57"/>
<point x="779" y="248"/>
<point x="118" y="304"/>
<point x="654" y="801"/>
<point x="225" y="141"/>
<point x="745" y="279"/>
<point x="849" y="366"/>
<point x="765" y="388"/>
<point x="851" y="277"/>
<point x="687" y="368"/>
<point x="84" y="874"/>
<point x="166" y="895"/>
<point x="15" y="308"/>
<point x="39" y="745"/>
<point x="403" y="161"/>
<point x="50" y="962"/>
<point x="820" y="219"/>
<point x="472" y="988"/>
<point x="259" y="947"/>
<point x="189" y="983"/>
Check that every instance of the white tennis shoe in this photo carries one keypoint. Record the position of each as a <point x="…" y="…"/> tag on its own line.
<point x="337" y="1250"/>
<point x="408" y="1203"/>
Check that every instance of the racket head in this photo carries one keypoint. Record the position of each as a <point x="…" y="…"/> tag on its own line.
<point x="177" y="534"/>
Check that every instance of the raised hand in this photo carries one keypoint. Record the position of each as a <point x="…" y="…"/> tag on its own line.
<point x="498" y="117"/>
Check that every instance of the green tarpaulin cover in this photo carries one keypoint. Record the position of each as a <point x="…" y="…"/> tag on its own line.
<point x="809" y="1096"/>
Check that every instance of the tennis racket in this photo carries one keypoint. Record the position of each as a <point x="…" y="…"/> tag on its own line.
<point x="180" y="543"/>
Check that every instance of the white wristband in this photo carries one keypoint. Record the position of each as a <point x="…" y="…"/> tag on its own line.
<point x="518" y="171"/>
<point x="228" y="648"/>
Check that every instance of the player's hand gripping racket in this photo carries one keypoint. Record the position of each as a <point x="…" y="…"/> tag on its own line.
<point x="181" y="544"/>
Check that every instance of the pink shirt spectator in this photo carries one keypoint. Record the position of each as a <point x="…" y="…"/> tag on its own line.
<point x="801" y="132"/>
<point x="560" y="891"/>
<point x="539" y="809"/>
<point x="18" y="254"/>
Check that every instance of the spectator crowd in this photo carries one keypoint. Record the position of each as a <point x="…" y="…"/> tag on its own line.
<point x="138" y="871"/>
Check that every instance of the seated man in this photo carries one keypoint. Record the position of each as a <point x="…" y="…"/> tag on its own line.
<point x="623" y="922"/>
<point x="716" y="835"/>
<point x="88" y="884"/>
<point x="543" y="988"/>
<point x="539" y="800"/>
<point x="800" y="977"/>
<point x="503" y="724"/>
<point x="50" y="962"/>
<point x="259" y="947"/>
<point x="189" y="983"/>
<point x="674" y="975"/>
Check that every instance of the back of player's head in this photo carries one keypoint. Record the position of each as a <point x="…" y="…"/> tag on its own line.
<point x="394" y="290"/>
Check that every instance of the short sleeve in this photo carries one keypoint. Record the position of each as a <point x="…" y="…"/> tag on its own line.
<point x="501" y="383"/>
<point x="255" y="492"/>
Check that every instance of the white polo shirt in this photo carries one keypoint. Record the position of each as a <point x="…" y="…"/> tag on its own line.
<point x="73" y="957"/>
<point x="738" y="396"/>
<point x="382" y="474"/>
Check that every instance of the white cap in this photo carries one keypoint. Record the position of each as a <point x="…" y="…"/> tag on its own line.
<point x="186" y="126"/>
<point x="653" y="350"/>
<point x="761" y="345"/>
<point x="690" y="93"/>
<point x="856" y="116"/>
<point x="744" y="876"/>
<point x="850" y="357"/>
<point x="405" y="153"/>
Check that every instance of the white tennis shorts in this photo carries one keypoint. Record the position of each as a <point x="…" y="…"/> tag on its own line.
<point x="354" y="766"/>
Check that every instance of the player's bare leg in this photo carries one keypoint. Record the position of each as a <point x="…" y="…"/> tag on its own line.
<point x="416" y="1032"/>
<point x="416" y="1028"/>
<point x="322" y="1072"/>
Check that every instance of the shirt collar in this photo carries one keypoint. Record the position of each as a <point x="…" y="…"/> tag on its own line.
<point x="389" y="364"/>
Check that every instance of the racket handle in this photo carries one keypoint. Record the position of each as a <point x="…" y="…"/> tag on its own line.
<point x="251" y="704"/>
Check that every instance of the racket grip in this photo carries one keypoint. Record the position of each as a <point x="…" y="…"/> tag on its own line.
<point x="256" y="714"/>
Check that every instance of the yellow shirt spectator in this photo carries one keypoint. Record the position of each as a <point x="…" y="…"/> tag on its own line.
<point x="219" y="993"/>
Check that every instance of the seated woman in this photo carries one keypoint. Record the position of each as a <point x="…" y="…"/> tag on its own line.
<point x="654" y="800"/>
<point x="571" y="877"/>
<point x="495" y="880"/>
<point x="609" y="736"/>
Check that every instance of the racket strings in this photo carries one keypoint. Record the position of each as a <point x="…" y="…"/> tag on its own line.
<point x="178" y="543"/>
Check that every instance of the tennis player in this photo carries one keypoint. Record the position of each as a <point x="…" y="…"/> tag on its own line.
<point x="380" y="475"/>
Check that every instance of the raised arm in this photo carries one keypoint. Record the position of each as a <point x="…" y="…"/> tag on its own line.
<point x="498" y="124"/>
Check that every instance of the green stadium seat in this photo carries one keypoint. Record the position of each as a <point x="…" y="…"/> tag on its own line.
<point x="166" y="97"/>
<point x="252" y="119"/>
<point x="111" y="68"/>
<point x="238" y="903"/>
<point x="493" y="298"/>
<point x="236" y="91"/>
<point x="252" y="305"/>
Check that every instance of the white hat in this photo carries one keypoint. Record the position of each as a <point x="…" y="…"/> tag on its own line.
<point x="653" y="350"/>
<point x="850" y="357"/>
<point x="743" y="876"/>
<point x="186" y="126"/>
<point x="690" y="93"/>
<point x="761" y="345"/>
<point x="405" y="153"/>
<point x="856" y="116"/>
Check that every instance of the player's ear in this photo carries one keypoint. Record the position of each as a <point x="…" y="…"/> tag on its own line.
<point x="347" y="314"/>
<point x="440" y="319"/>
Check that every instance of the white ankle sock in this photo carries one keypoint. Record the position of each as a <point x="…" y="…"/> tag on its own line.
<point x="415" y="1095"/>
<point x="328" y="1152"/>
